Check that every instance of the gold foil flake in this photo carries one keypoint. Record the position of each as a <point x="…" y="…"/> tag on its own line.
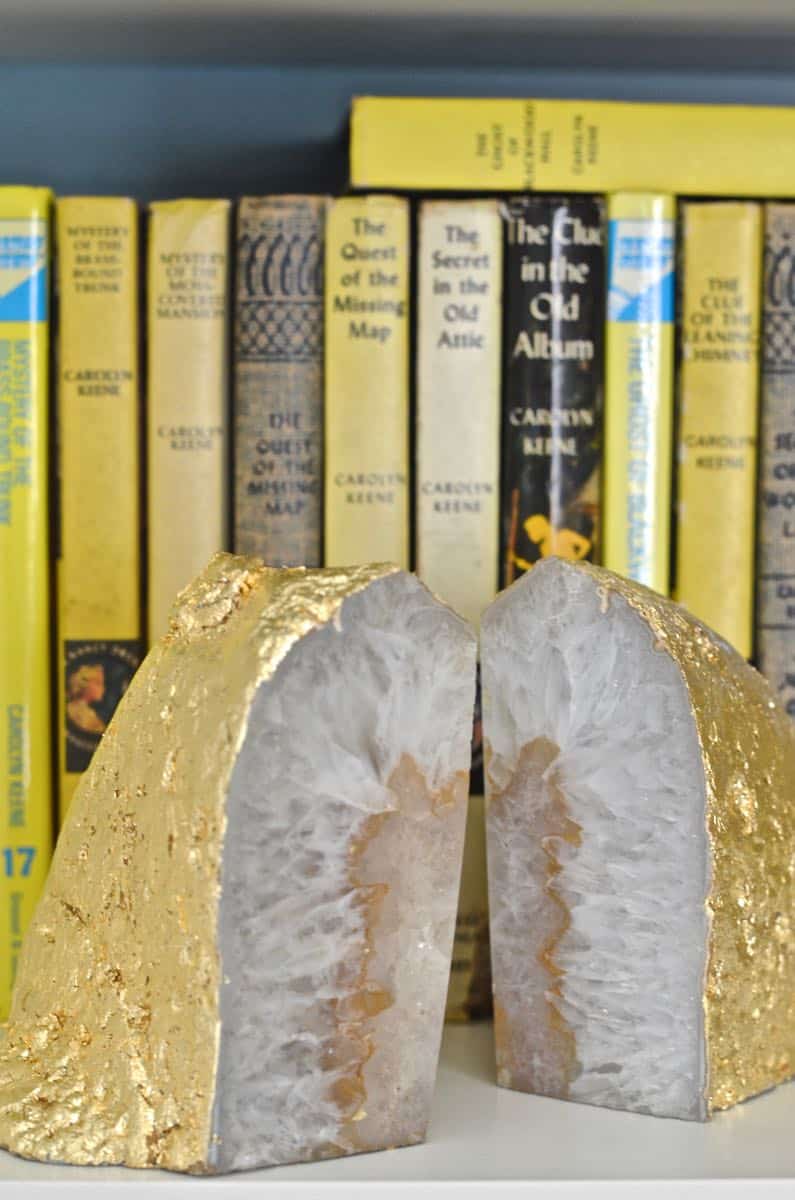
<point x="122" y="1068"/>
<point x="748" y="752"/>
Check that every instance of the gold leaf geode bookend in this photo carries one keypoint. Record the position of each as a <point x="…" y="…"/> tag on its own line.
<point x="641" y="846"/>
<point x="242" y="953"/>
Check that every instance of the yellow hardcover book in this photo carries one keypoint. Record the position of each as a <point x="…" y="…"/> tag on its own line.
<point x="367" y="381"/>
<point x="25" y="699"/>
<point x="721" y="259"/>
<point x="639" y="349"/>
<point x="417" y="143"/>
<point x="98" y="420"/>
<point x="187" y="401"/>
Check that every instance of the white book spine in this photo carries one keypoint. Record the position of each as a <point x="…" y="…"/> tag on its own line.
<point x="458" y="401"/>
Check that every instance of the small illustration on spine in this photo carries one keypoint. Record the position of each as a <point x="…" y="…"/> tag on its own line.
<point x="96" y="676"/>
<point x="99" y="439"/>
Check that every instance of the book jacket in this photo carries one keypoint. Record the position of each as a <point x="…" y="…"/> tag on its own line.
<point x="553" y="381"/>
<point x="721" y="253"/>
<point x="25" y="703"/>
<point x="417" y="143"/>
<point x="367" y="381"/>
<point x="459" y="340"/>
<point x="278" y="406"/>
<point x="775" y="598"/>
<point x="639" y="399"/>
<point x="99" y="440"/>
<point x="458" y="381"/>
<point x="187" y="396"/>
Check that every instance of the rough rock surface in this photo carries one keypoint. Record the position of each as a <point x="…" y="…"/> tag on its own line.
<point x="241" y="956"/>
<point x="641" y="841"/>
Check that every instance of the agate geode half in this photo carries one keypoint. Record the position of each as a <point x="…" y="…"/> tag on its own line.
<point x="641" y="843"/>
<point x="242" y="954"/>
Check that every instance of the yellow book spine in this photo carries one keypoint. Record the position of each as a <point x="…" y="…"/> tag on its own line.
<point x="98" y="417"/>
<point x="367" y="383"/>
<point x="417" y="143"/>
<point x="187" y="400"/>
<point x="639" y="348"/>
<point x="25" y="701"/>
<point x="721" y="264"/>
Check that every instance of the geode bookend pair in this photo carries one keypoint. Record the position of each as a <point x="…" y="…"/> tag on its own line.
<point x="242" y="953"/>
<point x="641" y="841"/>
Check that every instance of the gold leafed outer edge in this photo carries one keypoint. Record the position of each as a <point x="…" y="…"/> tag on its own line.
<point x="111" y="1047"/>
<point x="748" y="751"/>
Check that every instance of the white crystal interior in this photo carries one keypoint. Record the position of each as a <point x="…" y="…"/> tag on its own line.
<point x="581" y="707"/>
<point x="392" y="677"/>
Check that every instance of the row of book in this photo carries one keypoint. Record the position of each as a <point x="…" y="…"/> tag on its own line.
<point x="539" y="340"/>
<point x="557" y="411"/>
<point x="460" y="385"/>
<point x="675" y="482"/>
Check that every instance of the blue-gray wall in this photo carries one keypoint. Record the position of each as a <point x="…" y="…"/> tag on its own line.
<point x="168" y="130"/>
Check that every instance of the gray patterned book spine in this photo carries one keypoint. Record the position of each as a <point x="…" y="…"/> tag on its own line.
<point x="775" y="617"/>
<point x="278" y="419"/>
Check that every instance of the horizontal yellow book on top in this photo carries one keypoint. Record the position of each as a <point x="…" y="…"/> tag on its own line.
<point x="572" y="145"/>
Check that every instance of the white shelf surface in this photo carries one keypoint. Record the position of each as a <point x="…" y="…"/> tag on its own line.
<point x="485" y="1141"/>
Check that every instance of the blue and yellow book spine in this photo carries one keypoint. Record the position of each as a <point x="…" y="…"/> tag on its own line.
<point x="639" y="351"/>
<point x="25" y="700"/>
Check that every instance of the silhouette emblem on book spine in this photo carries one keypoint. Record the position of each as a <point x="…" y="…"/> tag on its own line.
<point x="565" y="543"/>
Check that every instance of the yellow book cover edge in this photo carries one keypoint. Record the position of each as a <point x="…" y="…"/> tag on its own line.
<point x="25" y="698"/>
<point x="721" y="254"/>
<point x="98" y="417"/>
<point x="367" y="381"/>
<point x="187" y="396"/>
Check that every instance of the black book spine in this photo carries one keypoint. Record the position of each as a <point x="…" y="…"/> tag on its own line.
<point x="553" y="381"/>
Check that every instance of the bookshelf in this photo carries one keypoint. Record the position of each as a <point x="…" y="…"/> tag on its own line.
<point x="196" y="97"/>
<point x="487" y="1142"/>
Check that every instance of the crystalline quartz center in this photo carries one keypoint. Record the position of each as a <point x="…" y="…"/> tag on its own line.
<point x="241" y="957"/>
<point x="641" y="844"/>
